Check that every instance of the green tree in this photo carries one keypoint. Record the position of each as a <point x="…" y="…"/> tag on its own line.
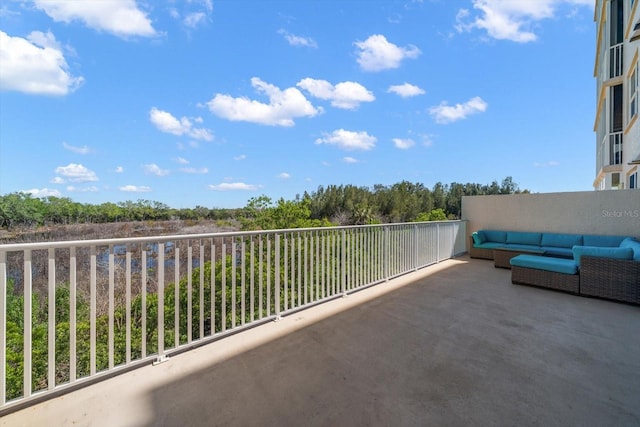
<point x="434" y="215"/>
<point x="21" y="209"/>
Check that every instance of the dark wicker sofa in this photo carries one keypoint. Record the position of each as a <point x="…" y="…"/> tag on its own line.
<point x="612" y="279"/>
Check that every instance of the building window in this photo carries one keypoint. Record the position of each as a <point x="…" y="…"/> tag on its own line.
<point x="616" y="15"/>
<point x="616" y="34"/>
<point x="615" y="126"/>
<point x="615" y="181"/>
<point x="616" y="109"/>
<point x="633" y="180"/>
<point x="633" y="93"/>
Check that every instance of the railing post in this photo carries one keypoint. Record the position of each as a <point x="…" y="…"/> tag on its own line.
<point x="438" y="242"/>
<point x="285" y="270"/>
<point x="305" y="268"/>
<point x="72" y="314"/>
<point x="26" y="352"/>
<point x="234" y="262"/>
<point x="161" y="356"/>
<point x="277" y="278"/>
<point x="453" y="238"/>
<point x="190" y="290"/>
<point x="176" y="292"/>
<point x="243" y="281"/>
<point x="3" y="326"/>
<point x="51" y="323"/>
<point x="416" y="243"/>
<point x="143" y="302"/>
<point x="268" y="275"/>
<point x="128" y="307"/>
<point x="92" y="312"/>
<point x="110" y="345"/>
<point x="212" y="292"/>
<point x="386" y="253"/>
<point x="345" y="270"/>
<point x="252" y="292"/>
<point x="201" y="294"/>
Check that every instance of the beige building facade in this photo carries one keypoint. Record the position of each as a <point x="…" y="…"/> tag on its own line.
<point x="616" y="70"/>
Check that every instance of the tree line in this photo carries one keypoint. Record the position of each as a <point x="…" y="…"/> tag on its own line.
<point x="331" y="205"/>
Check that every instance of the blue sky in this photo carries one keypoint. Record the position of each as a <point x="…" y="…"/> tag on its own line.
<point x="211" y="103"/>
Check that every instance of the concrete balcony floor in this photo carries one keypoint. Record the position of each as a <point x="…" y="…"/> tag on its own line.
<point x="452" y="344"/>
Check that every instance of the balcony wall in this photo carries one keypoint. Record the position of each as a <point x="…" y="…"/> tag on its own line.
<point x="587" y="212"/>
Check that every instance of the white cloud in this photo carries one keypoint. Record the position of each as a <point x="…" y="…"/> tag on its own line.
<point x="35" y="65"/>
<point x="79" y="150"/>
<point x="427" y="140"/>
<point x="349" y="140"/>
<point x="377" y="54"/>
<point x="406" y="90"/>
<point x="403" y="144"/>
<point x="57" y="180"/>
<point x="76" y="173"/>
<point x="166" y="122"/>
<point x="201" y="134"/>
<point x="153" y="169"/>
<point x="349" y="160"/>
<point x="194" y="170"/>
<point x="196" y="13"/>
<point x="182" y="161"/>
<point x="240" y="157"/>
<point x="294" y="40"/>
<point x="193" y="20"/>
<point x="549" y="164"/>
<point x="90" y="189"/>
<point x="208" y="4"/>
<point x="444" y="113"/>
<point x="283" y="107"/>
<point x="346" y="95"/>
<point x="119" y="169"/>
<point x="42" y="192"/>
<point x="135" y="188"/>
<point x="233" y="186"/>
<point x="122" y="18"/>
<point x="284" y="175"/>
<point x="191" y="144"/>
<point x="511" y="19"/>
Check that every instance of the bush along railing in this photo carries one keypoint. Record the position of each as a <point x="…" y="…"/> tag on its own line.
<point x="74" y="311"/>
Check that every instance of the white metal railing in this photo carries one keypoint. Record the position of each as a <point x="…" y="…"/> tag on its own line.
<point x="615" y="148"/>
<point x="610" y="150"/>
<point x="615" y="60"/>
<point x="71" y="312"/>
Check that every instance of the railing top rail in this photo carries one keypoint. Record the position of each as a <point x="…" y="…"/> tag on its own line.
<point x="10" y="247"/>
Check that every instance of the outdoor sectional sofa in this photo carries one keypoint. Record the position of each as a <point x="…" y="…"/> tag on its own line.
<point x="590" y="265"/>
<point x="559" y="245"/>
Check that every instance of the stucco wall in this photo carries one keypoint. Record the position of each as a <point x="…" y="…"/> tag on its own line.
<point x="588" y="212"/>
